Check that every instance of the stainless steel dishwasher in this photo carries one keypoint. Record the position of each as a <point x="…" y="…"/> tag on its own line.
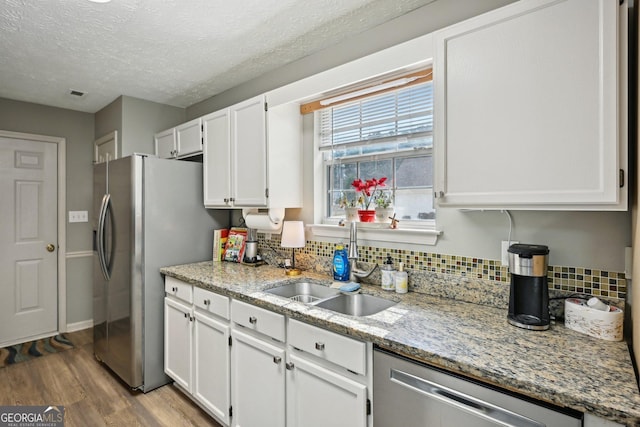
<point x="407" y="393"/>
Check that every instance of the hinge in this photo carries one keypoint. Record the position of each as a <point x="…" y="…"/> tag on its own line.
<point x="266" y="193"/>
<point x="231" y="411"/>
<point x="368" y="407"/>
<point x="621" y="178"/>
<point x="230" y="343"/>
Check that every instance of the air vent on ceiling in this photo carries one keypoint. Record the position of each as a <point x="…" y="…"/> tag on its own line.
<point x="77" y="93"/>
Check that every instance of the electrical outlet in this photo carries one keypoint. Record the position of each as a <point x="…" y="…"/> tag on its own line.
<point x="504" y="251"/>
<point x="78" y="216"/>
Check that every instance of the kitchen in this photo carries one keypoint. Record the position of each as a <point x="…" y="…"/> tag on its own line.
<point x="594" y="240"/>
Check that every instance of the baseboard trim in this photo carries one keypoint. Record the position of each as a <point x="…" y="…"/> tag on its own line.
<point x="78" y="254"/>
<point x="78" y="326"/>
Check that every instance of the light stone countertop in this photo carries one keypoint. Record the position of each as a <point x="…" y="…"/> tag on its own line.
<point x="559" y="365"/>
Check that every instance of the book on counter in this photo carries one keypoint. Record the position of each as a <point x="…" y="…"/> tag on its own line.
<point x="235" y="246"/>
<point x="219" y="242"/>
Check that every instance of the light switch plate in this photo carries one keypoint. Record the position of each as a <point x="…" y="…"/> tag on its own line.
<point x="78" y="216"/>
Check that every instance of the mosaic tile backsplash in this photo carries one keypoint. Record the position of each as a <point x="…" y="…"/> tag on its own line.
<point x="439" y="274"/>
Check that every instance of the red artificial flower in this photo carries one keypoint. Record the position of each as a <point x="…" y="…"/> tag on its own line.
<point x="368" y="188"/>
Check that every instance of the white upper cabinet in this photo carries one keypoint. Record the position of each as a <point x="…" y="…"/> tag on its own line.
<point x="181" y="141"/>
<point x="531" y="107"/>
<point x="165" y="142"/>
<point x="252" y="156"/>
<point x="189" y="138"/>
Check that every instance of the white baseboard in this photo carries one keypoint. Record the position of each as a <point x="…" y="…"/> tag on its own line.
<point x="78" y="326"/>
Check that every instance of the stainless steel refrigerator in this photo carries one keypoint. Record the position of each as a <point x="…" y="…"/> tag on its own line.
<point x="147" y="213"/>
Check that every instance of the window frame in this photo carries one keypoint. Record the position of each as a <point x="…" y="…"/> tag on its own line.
<point x="325" y="165"/>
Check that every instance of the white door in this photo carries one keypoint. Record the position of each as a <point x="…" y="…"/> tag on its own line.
<point x="212" y="363"/>
<point x="177" y="342"/>
<point x="318" y="397"/>
<point x="28" y="240"/>
<point x="257" y="378"/>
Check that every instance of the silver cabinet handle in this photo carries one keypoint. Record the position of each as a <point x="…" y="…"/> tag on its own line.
<point x="226" y="200"/>
<point x="253" y="320"/>
<point x="186" y="315"/>
<point x="289" y="366"/>
<point x="277" y="360"/>
<point x="320" y="346"/>
<point x="207" y="302"/>
<point x="462" y="401"/>
<point x="174" y="289"/>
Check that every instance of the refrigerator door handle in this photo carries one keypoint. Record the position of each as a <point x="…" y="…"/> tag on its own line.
<point x="105" y="209"/>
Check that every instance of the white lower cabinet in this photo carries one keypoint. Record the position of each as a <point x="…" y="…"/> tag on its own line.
<point x="196" y="346"/>
<point x="319" y="397"/>
<point x="211" y="385"/>
<point x="262" y="369"/>
<point x="178" y="342"/>
<point x="258" y="382"/>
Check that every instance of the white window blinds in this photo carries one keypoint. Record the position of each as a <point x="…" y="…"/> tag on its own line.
<point x="395" y="121"/>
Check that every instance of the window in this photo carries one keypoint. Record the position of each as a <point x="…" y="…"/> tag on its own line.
<point x="384" y="135"/>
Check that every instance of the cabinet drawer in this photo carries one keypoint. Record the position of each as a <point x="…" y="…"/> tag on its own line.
<point x="258" y="319"/>
<point x="335" y="348"/>
<point x="211" y="302"/>
<point x="178" y="289"/>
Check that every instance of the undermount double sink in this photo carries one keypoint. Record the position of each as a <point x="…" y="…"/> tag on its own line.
<point x="331" y="298"/>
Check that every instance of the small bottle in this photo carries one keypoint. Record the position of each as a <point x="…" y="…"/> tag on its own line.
<point x="387" y="272"/>
<point x="401" y="280"/>
<point x="340" y="264"/>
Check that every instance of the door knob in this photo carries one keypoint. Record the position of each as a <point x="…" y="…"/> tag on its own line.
<point x="51" y="247"/>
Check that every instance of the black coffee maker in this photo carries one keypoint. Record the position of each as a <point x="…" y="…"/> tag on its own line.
<point x="529" y="296"/>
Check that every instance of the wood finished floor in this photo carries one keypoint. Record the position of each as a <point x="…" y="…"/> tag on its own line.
<point x="91" y="394"/>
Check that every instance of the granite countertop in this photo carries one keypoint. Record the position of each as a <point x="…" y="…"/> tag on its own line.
<point x="560" y="366"/>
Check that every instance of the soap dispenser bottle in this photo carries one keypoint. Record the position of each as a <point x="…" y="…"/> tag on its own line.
<point x="401" y="280"/>
<point x="340" y="264"/>
<point x="387" y="272"/>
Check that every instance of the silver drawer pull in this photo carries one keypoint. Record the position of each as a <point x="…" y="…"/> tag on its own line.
<point x="253" y="320"/>
<point x="207" y="302"/>
<point x="320" y="346"/>
<point x="277" y="360"/>
<point x="174" y="289"/>
<point x="186" y="315"/>
<point x="290" y="366"/>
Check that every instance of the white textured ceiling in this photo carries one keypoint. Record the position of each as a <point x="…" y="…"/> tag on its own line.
<point x="175" y="52"/>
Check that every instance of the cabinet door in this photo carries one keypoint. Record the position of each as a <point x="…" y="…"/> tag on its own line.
<point x="166" y="144"/>
<point x="217" y="159"/>
<point x="177" y="342"/>
<point x="257" y="376"/>
<point x="526" y="106"/>
<point x="249" y="155"/>
<point x="319" y="397"/>
<point x="212" y="365"/>
<point x="189" y="138"/>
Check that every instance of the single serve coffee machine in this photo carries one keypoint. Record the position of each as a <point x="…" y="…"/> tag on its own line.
<point x="529" y="292"/>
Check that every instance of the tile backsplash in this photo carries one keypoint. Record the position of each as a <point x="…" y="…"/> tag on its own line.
<point x="440" y="274"/>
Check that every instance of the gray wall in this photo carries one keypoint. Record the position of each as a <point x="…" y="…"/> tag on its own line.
<point x="78" y="130"/>
<point x="141" y="119"/>
<point x="136" y="121"/>
<point x="581" y="239"/>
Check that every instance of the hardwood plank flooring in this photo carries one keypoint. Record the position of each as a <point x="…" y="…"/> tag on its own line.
<point x="91" y="394"/>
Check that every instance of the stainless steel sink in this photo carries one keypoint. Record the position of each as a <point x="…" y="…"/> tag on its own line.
<point x="307" y="292"/>
<point x="356" y="304"/>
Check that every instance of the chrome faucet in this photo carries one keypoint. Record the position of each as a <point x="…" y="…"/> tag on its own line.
<point x="354" y="274"/>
